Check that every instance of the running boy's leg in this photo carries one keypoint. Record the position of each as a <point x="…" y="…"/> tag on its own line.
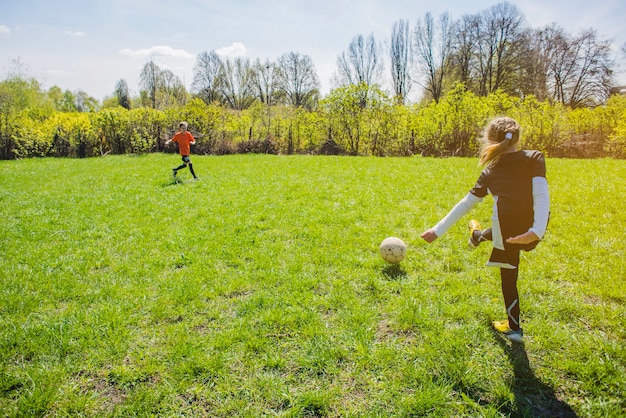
<point x="191" y="169"/>
<point x="179" y="167"/>
<point x="183" y="165"/>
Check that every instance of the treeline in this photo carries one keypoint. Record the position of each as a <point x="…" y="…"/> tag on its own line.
<point x="466" y="71"/>
<point x="489" y="51"/>
<point x="350" y="120"/>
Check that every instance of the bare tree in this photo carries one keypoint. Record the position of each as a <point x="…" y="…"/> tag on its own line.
<point x="206" y="71"/>
<point x="172" y="90"/>
<point x="580" y="71"/>
<point x="400" y="54"/>
<point x="84" y="102"/>
<point x="298" y="80"/>
<point x="149" y="81"/>
<point x="433" y="47"/>
<point x="122" y="94"/>
<point x="362" y="63"/>
<point x="493" y="50"/>
<point x="267" y="81"/>
<point x="236" y="83"/>
<point x="160" y="88"/>
<point x="464" y="48"/>
<point x="499" y="39"/>
<point x="535" y="67"/>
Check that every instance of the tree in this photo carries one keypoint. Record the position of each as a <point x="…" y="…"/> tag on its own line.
<point x="16" y="94"/>
<point x="235" y="83"/>
<point x="206" y="71"/>
<point x="160" y="88"/>
<point x="55" y="95"/>
<point x="400" y="55"/>
<point x="122" y="95"/>
<point x="353" y="123"/>
<point x="172" y="90"/>
<point x="149" y="82"/>
<point x="267" y="86"/>
<point x="433" y="47"/>
<point x="534" y="68"/>
<point x="19" y="90"/>
<point x="84" y="102"/>
<point x="298" y="80"/>
<point x="69" y="102"/>
<point x="463" y="48"/>
<point x="267" y="82"/>
<point x="499" y="43"/>
<point x="580" y="69"/>
<point x="361" y="65"/>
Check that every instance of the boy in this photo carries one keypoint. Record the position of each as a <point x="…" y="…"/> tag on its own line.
<point x="184" y="138"/>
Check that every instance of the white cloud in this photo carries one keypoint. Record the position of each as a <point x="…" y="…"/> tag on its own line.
<point x="4" y="30"/>
<point x="237" y="49"/>
<point x="76" y="34"/>
<point x="158" y="50"/>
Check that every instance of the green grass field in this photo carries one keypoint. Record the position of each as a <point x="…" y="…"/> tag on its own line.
<point x="258" y="291"/>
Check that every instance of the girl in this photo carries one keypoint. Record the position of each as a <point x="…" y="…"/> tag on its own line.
<point x="517" y="182"/>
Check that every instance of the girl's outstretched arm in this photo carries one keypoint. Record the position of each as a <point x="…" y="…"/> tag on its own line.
<point x="458" y="211"/>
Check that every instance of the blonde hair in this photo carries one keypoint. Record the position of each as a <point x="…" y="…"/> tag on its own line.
<point x="500" y="135"/>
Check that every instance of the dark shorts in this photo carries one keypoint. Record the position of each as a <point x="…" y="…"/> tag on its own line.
<point x="509" y="257"/>
<point x="186" y="159"/>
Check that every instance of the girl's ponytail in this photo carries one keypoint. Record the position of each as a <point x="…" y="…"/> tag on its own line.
<point x="499" y="136"/>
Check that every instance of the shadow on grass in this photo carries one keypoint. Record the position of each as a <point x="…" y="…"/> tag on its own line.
<point x="178" y="180"/>
<point x="532" y="397"/>
<point x="172" y="181"/>
<point x="394" y="271"/>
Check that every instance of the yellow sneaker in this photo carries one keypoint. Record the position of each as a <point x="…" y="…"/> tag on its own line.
<point x="474" y="226"/>
<point x="503" y="328"/>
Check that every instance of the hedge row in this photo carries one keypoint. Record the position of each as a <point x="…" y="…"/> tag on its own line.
<point x="343" y="124"/>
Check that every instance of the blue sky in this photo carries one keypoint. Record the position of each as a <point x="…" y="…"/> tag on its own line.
<point x="91" y="44"/>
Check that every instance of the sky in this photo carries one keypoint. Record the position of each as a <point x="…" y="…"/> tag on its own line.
<point x="90" y="45"/>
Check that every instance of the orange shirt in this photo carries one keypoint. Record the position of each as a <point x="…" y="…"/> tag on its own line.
<point x="183" y="139"/>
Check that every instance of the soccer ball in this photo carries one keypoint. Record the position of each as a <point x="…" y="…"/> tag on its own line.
<point x="392" y="250"/>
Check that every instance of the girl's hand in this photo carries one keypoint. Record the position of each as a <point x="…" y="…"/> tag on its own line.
<point x="429" y="236"/>
<point x="525" y="238"/>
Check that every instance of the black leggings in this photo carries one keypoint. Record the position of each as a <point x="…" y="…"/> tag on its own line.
<point x="509" y="288"/>
<point x="511" y="296"/>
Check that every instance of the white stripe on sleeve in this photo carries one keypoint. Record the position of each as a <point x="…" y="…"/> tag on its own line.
<point x="541" y="206"/>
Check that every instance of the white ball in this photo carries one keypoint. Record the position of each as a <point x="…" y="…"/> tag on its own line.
<point x="392" y="250"/>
